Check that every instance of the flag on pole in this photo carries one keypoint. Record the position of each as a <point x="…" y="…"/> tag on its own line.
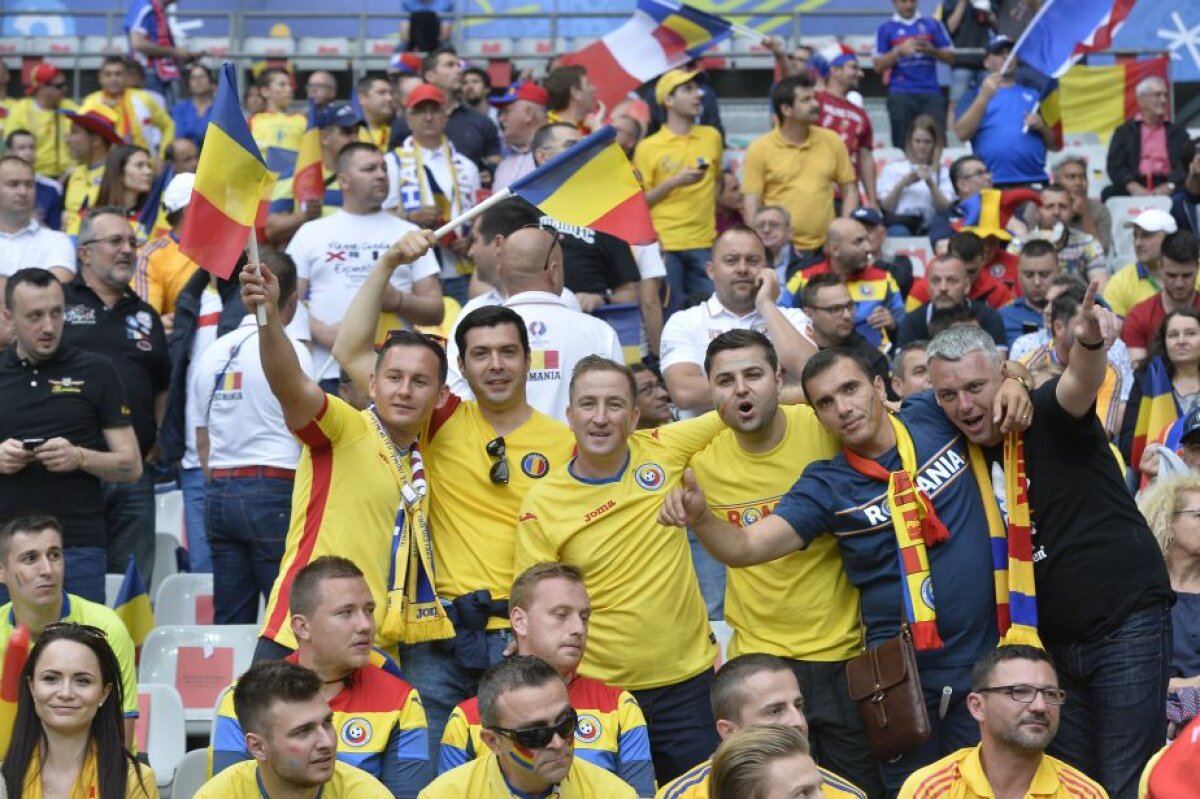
<point x="591" y="185"/>
<point x="230" y="182"/>
<point x="148" y="224"/>
<point x="10" y="683"/>
<point x="308" y="181"/>
<point x="133" y="604"/>
<point x="660" y="36"/>
<point x="1064" y="30"/>
<point x="1085" y="101"/>
<point x="1157" y="410"/>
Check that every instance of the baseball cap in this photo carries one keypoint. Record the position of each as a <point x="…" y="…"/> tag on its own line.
<point x="42" y="74"/>
<point x="178" y="192"/>
<point x="1154" y="220"/>
<point x="97" y="119"/>
<point x="868" y="216"/>
<point x="525" y="90"/>
<point x="404" y="64"/>
<point x="340" y="115"/>
<point x="671" y="81"/>
<point x="999" y="44"/>
<point x="425" y="93"/>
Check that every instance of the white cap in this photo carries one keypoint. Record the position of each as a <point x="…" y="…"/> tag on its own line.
<point x="1154" y="220"/>
<point x="178" y="192"/>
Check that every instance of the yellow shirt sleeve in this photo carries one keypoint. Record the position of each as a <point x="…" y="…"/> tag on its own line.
<point x="754" y="168"/>
<point x="164" y="122"/>
<point x="843" y="169"/>
<point x="533" y="544"/>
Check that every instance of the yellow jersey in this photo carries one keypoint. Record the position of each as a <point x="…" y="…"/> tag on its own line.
<point x="274" y="131"/>
<point x="649" y="625"/>
<point x="960" y="776"/>
<point x="161" y="273"/>
<point x="135" y="109"/>
<point x="801" y="606"/>
<point x="50" y="128"/>
<point x="693" y="784"/>
<point x="685" y="219"/>
<point x="83" y="186"/>
<point x="482" y="779"/>
<point x="242" y="781"/>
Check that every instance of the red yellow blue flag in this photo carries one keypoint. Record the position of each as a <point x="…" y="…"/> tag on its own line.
<point x="10" y="682"/>
<point x="133" y="604"/>
<point x="308" y="180"/>
<point x="1157" y="410"/>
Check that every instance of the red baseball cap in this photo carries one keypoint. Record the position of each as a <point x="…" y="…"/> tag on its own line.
<point x="526" y="90"/>
<point x="425" y="93"/>
<point x="42" y="74"/>
<point x="98" y="120"/>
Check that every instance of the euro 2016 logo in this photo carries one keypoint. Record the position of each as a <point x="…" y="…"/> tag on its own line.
<point x="650" y="476"/>
<point x="588" y="729"/>
<point x="356" y="732"/>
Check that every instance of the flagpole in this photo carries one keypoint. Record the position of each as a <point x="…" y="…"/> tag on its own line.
<point x="252" y="257"/>
<point x="471" y="213"/>
<point x="745" y="30"/>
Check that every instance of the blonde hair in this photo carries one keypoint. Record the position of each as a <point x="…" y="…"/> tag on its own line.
<point x="930" y="125"/>
<point x="739" y="767"/>
<point x="1160" y="502"/>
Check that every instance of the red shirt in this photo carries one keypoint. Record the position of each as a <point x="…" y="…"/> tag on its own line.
<point x="986" y="288"/>
<point x="1143" y="320"/>
<point x="849" y="122"/>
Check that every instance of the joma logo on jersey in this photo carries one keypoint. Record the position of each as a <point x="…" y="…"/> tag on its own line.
<point x="929" y="481"/>
<point x="595" y="512"/>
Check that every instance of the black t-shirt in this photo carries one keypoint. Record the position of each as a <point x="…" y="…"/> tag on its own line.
<point x="593" y="262"/>
<point x="1095" y="559"/>
<point x="473" y="134"/>
<point x="75" y="395"/>
<point x="130" y="334"/>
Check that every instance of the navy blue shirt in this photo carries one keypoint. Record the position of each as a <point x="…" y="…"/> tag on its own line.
<point x="48" y="199"/>
<point x="913" y="74"/>
<point x="1020" y="318"/>
<point x="1011" y="156"/>
<point x="1185" y="625"/>
<point x="832" y="497"/>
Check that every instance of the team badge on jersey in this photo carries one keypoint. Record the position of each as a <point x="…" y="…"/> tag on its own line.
<point x="750" y="516"/>
<point x="650" y="476"/>
<point x="927" y="592"/>
<point x="998" y="270"/>
<point x="356" y="732"/>
<point x="535" y="465"/>
<point x="588" y="729"/>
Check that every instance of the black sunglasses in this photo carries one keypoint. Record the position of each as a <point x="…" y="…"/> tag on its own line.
<point x="555" y="238"/>
<point x="499" y="471"/>
<point x="540" y="737"/>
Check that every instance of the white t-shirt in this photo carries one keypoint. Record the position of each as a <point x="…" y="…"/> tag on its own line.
<point x="34" y="245"/>
<point x="559" y="337"/>
<point x="336" y="253"/>
<point x="915" y="198"/>
<point x="206" y="333"/>
<point x="650" y="261"/>
<point x="234" y="401"/>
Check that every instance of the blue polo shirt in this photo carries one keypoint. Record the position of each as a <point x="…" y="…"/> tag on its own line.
<point x="1011" y="156"/>
<point x="832" y="497"/>
<point x="48" y="199"/>
<point x="1017" y="316"/>
<point x="913" y="74"/>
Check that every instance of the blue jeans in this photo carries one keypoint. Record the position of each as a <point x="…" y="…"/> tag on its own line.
<point x="129" y="523"/>
<point x="441" y="682"/>
<point x="711" y="574"/>
<point x="200" y="556"/>
<point x="1115" y="716"/>
<point x="904" y="108"/>
<point x="948" y="734"/>
<point x="247" y="520"/>
<point x="687" y="274"/>
<point x="680" y="723"/>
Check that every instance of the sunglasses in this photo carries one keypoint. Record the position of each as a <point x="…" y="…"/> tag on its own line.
<point x="540" y="737"/>
<point x="555" y="238"/>
<point x="499" y="471"/>
<point x="70" y="626"/>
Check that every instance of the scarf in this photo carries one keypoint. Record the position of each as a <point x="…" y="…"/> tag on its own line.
<point x="420" y="188"/>
<point x="164" y="66"/>
<point x="916" y="526"/>
<point x="87" y="784"/>
<point x="1012" y="544"/>
<point x="414" y="611"/>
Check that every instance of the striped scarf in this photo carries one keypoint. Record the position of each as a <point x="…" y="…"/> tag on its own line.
<point x="916" y="526"/>
<point x="164" y="66"/>
<point x="1011" y="544"/>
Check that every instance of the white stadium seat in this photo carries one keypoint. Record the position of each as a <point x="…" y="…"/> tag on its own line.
<point x="489" y="48"/>
<point x="952" y="154"/>
<point x="191" y="774"/>
<point x="165" y="562"/>
<point x="184" y="599"/>
<point x="57" y="50"/>
<point x="112" y="587"/>
<point x="216" y="45"/>
<point x="1096" y="156"/>
<point x="160" y="729"/>
<point x="329" y="47"/>
<point x="168" y="514"/>
<point x="270" y="46"/>
<point x="917" y="248"/>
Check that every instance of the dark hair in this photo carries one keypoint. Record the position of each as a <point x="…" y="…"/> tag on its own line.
<point x="268" y="682"/>
<point x="740" y="340"/>
<point x="1055" y="188"/>
<point x="429" y="62"/>
<point x="506" y="217"/>
<point x="1038" y="248"/>
<point x="1064" y="307"/>
<point x="523" y="588"/>
<point x="198" y="66"/>
<point x="511" y="673"/>
<point x="784" y="93"/>
<point x="559" y="83"/>
<point x="264" y="79"/>
<point x="364" y="84"/>
<point x="32" y="276"/>
<point x="957" y="167"/>
<point x="917" y="345"/>
<point x="12" y="136"/>
<point x="824" y="280"/>
<point x="825" y="360"/>
<point x="482" y="73"/>
<point x="1159" y="346"/>
<point x="135" y="66"/>
<point x="284" y="269"/>
<point x="109" y="60"/>
<point x="107" y="731"/>
<point x="489" y="316"/>
<point x="13" y="159"/>
<point x="25" y="523"/>
<point x="945" y="318"/>
<point x="347" y="152"/>
<point x="746" y="230"/>
<point x="112" y="185"/>
<point x="598" y="363"/>
<point x="411" y="338"/>
<point x="1181" y="247"/>
<point x="726" y="694"/>
<point x="966" y="246"/>
<point x="303" y="598"/>
<point x="981" y="672"/>
<point x="543" y="134"/>
<point x="89" y="220"/>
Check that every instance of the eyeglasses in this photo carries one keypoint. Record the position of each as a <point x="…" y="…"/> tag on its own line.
<point x="1027" y="693"/>
<point x="115" y="241"/>
<point x="499" y="471"/>
<point x="836" y="310"/>
<point x="540" y="737"/>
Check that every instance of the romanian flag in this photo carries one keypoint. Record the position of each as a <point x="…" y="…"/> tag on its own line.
<point x="308" y="179"/>
<point x="152" y="220"/>
<point x="1085" y="101"/>
<point x="625" y="318"/>
<point x="230" y="182"/>
<point x="1064" y="30"/>
<point x="133" y="604"/>
<point x="591" y="185"/>
<point x="1156" y="412"/>
<point x="540" y="360"/>
<point x="660" y="36"/>
<point x="10" y="683"/>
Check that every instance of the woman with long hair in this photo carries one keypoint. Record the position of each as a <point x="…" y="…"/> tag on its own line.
<point x="128" y="177"/>
<point x="913" y="189"/>
<point x="68" y="739"/>
<point x="1173" y="370"/>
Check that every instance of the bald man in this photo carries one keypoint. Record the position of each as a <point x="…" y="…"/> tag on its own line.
<point x="530" y="275"/>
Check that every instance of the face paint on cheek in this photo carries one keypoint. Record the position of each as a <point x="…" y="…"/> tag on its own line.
<point x="522" y="757"/>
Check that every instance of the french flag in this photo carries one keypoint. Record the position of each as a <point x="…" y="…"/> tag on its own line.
<point x="660" y="36"/>
<point x="1064" y="30"/>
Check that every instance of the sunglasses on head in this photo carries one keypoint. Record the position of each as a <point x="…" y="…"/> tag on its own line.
<point x="555" y="238"/>
<point x="540" y="737"/>
<point x="499" y="471"/>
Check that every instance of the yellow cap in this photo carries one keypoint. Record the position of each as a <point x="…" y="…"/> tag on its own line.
<point x="671" y="81"/>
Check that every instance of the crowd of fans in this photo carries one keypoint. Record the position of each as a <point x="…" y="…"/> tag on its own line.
<point x="490" y="551"/>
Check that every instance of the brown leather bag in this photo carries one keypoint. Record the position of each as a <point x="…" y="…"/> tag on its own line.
<point x="884" y="683"/>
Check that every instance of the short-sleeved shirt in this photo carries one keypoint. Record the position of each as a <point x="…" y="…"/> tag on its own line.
<point x="1143" y="320"/>
<point x="799" y="178"/>
<point x="871" y="288"/>
<point x="801" y="606"/>
<point x="1129" y="286"/>
<point x="832" y="497"/>
<point x="611" y="733"/>
<point x="161" y="273"/>
<point x="81" y="611"/>
<point x="916" y="73"/>
<point x="472" y="133"/>
<point x="83" y="186"/>
<point x="243" y="781"/>
<point x="960" y="775"/>
<point x="50" y="128"/>
<point x="130" y="335"/>
<point x="915" y="199"/>
<point x="75" y="395"/>
<point x="594" y="262"/>
<point x="48" y="201"/>
<point x="1020" y="318"/>
<point x="650" y="627"/>
<point x="482" y="779"/>
<point x="849" y="122"/>
<point x="380" y="725"/>
<point x="278" y="138"/>
<point x="686" y="218"/>
<point x="693" y="784"/>
<point x="35" y="245"/>
<point x="190" y="124"/>
<point x="1012" y="156"/>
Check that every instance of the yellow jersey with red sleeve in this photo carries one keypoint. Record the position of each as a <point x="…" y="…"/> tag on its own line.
<point x="244" y="782"/>
<point x="611" y="733"/>
<point x="693" y="784"/>
<point x="83" y="186"/>
<point x="960" y="776"/>
<point x="650" y="627"/>
<point x="482" y="779"/>
<point x="801" y="606"/>
<point x="474" y="519"/>
<point x="161" y="272"/>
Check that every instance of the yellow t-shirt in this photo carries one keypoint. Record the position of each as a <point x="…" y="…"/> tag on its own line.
<point x="693" y="784"/>
<point x="482" y="779"/>
<point x="799" y="178"/>
<point x="801" y="606"/>
<point x="474" y="520"/>
<point x="83" y="186"/>
<point x="379" y="136"/>
<point x="1129" y="286"/>
<point x="242" y="782"/>
<point x="685" y="219"/>
<point x="271" y="129"/>
<point x="161" y="273"/>
<point x="50" y="128"/>
<point x="649" y="626"/>
<point x="960" y="776"/>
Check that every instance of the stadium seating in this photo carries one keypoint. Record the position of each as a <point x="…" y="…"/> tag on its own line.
<point x="1124" y="209"/>
<point x="112" y="587"/>
<point x="270" y="46"/>
<point x="160" y="729"/>
<point x="329" y="48"/>
<point x="724" y="634"/>
<point x="917" y="248"/>
<point x="168" y="516"/>
<point x="1096" y="156"/>
<point x="190" y="775"/>
<point x="218" y="46"/>
<point x="166" y="562"/>
<point x="184" y="599"/>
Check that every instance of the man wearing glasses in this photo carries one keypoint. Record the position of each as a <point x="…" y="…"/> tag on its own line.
<point x="828" y="303"/>
<point x="1016" y="700"/>
<point x="530" y="728"/>
<point x="39" y="113"/>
